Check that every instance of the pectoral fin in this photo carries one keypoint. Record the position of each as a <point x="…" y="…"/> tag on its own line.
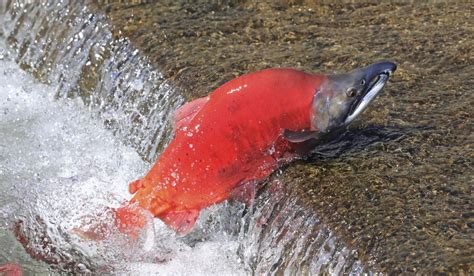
<point x="303" y="141"/>
<point x="300" y="136"/>
<point x="181" y="221"/>
<point x="183" y="115"/>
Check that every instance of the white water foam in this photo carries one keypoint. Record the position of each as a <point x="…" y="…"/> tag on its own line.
<point x="59" y="164"/>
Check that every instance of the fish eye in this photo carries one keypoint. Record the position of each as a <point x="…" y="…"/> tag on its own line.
<point x="362" y="82"/>
<point x="351" y="92"/>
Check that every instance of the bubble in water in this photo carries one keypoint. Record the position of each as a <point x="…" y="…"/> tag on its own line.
<point x="63" y="166"/>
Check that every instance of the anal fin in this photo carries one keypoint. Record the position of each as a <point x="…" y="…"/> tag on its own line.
<point x="181" y="221"/>
<point x="183" y="115"/>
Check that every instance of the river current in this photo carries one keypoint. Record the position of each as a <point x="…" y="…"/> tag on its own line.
<point x="58" y="163"/>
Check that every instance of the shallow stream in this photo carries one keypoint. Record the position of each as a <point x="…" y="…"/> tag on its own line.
<point x="83" y="111"/>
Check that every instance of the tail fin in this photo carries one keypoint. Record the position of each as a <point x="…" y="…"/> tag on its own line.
<point x="129" y="219"/>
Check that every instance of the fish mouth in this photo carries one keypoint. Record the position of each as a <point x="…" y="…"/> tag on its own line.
<point x="377" y="76"/>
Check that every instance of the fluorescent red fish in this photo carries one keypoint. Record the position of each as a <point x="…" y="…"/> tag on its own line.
<point x="226" y="141"/>
<point x="243" y="131"/>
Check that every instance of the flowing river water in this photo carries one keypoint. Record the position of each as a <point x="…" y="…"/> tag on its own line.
<point x="83" y="113"/>
<point x="58" y="163"/>
<point x="67" y="152"/>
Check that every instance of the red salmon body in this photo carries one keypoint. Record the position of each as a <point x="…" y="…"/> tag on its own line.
<point x="224" y="141"/>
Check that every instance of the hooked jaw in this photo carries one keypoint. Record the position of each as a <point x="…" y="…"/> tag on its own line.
<point x="376" y="76"/>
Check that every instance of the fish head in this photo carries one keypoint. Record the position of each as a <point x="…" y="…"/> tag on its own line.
<point x="342" y="97"/>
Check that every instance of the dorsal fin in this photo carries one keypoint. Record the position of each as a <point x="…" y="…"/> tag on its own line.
<point x="181" y="221"/>
<point x="183" y="115"/>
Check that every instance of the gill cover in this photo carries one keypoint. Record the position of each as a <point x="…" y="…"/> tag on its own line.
<point x="342" y="97"/>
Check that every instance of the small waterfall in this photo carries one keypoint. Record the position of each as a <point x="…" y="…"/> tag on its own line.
<point x="65" y="44"/>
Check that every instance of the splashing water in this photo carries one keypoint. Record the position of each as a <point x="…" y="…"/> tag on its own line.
<point x="57" y="164"/>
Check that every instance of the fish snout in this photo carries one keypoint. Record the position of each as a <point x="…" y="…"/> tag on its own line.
<point x="374" y="70"/>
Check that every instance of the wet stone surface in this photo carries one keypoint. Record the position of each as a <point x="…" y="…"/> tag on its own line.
<point x="398" y="186"/>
